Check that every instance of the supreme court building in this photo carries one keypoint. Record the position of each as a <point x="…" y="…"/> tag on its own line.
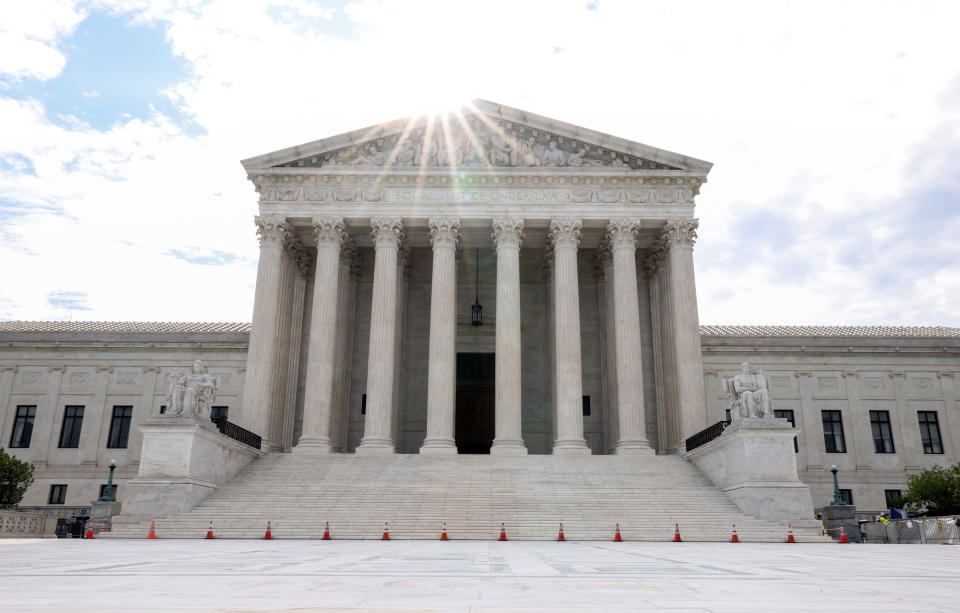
<point x="484" y="282"/>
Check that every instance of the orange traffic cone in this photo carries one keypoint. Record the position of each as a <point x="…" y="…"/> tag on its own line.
<point x="843" y="535"/>
<point x="616" y="537"/>
<point x="210" y="530"/>
<point x="560" y="536"/>
<point x="153" y="530"/>
<point x="790" y="538"/>
<point x="89" y="534"/>
<point x="326" y="532"/>
<point x="503" y="532"/>
<point x="676" y="534"/>
<point x="733" y="537"/>
<point x="268" y="536"/>
<point x="443" y="533"/>
<point x="386" y="532"/>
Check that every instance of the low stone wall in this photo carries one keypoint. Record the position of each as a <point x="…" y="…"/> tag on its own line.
<point x="14" y="524"/>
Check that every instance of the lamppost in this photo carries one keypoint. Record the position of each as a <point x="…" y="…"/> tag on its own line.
<point x="108" y="491"/>
<point x="837" y="498"/>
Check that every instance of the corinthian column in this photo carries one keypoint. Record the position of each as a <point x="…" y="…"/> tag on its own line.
<point x="565" y="236"/>
<point x="442" y="369"/>
<point x="678" y="237"/>
<point x="622" y="236"/>
<point x="321" y="355"/>
<point x="507" y="236"/>
<point x="262" y="357"/>
<point x="377" y="439"/>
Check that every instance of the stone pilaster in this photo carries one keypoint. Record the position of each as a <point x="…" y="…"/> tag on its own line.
<point x="811" y="422"/>
<point x="258" y="386"/>
<point x="7" y="374"/>
<point x="621" y="234"/>
<point x="508" y="440"/>
<point x="301" y="270"/>
<point x="329" y="233"/>
<point x="387" y="233"/>
<point x="45" y="428"/>
<point x="906" y="419"/>
<point x="442" y="365"/>
<point x="565" y="238"/>
<point x="100" y="417"/>
<point x="678" y="237"/>
<point x="951" y="436"/>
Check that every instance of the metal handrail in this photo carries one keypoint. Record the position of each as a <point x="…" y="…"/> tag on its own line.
<point x="706" y="435"/>
<point x="232" y="430"/>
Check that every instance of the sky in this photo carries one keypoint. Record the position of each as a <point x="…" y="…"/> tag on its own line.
<point x="834" y="129"/>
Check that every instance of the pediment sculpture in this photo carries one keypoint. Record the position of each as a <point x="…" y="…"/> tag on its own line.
<point x="748" y="393"/>
<point x="477" y="143"/>
<point x="191" y="394"/>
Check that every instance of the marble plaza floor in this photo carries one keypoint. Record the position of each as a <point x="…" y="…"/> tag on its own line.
<point x="473" y="576"/>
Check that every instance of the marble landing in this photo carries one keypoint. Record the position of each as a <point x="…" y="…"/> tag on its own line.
<point x="472" y="576"/>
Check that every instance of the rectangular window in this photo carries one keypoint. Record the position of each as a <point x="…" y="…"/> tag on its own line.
<point x="363" y="404"/>
<point x="891" y="496"/>
<point x="729" y="419"/>
<point x="103" y="490"/>
<point x="70" y="431"/>
<point x="930" y="432"/>
<point x="23" y="426"/>
<point x="218" y="412"/>
<point x="833" y="440"/>
<point x="882" y="435"/>
<point x="586" y="406"/>
<point x="163" y="409"/>
<point x="847" y="496"/>
<point x="58" y="494"/>
<point x="788" y="415"/>
<point x="120" y="427"/>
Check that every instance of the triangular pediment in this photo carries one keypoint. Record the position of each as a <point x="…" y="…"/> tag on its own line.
<point x="481" y="135"/>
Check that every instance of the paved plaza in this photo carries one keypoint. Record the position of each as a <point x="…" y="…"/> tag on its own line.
<point x="473" y="576"/>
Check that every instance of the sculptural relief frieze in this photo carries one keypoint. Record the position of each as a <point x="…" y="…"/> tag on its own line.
<point x="477" y="142"/>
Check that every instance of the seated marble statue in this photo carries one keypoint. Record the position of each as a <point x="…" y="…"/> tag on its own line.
<point x="748" y="392"/>
<point x="193" y="393"/>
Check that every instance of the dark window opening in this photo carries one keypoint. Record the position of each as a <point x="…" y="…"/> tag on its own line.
<point x="930" y="432"/>
<point x="23" y="426"/>
<point x="70" y="430"/>
<point x="847" y="496"/>
<point x="586" y="406"/>
<point x="103" y="490"/>
<point x="891" y="496"/>
<point x="833" y="440"/>
<point x="363" y="404"/>
<point x="58" y="494"/>
<point x="728" y="416"/>
<point x="163" y="409"/>
<point x="218" y="412"/>
<point x="882" y="435"/>
<point x="120" y="427"/>
<point x="788" y="415"/>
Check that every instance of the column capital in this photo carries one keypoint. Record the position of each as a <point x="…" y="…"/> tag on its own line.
<point x="944" y="373"/>
<point x="680" y="233"/>
<point x="148" y="369"/>
<point x="565" y="232"/>
<point x="507" y="232"/>
<point x="895" y="374"/>
<point x="802" y="373"/>
<point x="329" y="230"/>
<point x="444" y="231"/>
<point x="622" y="233"/>
<point x="386" y="231"/>
<point x="270" y="229"/>
<point x="849" y="373"/>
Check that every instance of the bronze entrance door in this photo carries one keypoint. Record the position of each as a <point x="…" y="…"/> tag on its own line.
<point x="475" y="402"/>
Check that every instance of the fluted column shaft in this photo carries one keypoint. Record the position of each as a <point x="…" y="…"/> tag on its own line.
<point x="632" y="439"/>
<point x="679" y="236"/>
<point x="387" y="233"/>
<point x="344" y="347"/>
<point x="508" y="440"/>
<point x="565" y="236"/>
<point x="442" y="366"/>
<point x="321" y="354"/>
<point x="296" y="333"/>
<point x="604" y="269"/>
<point x="258" y="388"/>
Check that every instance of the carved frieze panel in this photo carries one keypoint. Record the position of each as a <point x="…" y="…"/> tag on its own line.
<point x="922" y="386"/>
<point x="77" y="378"/>
<point x="828" y="384"/>
<point x="477" y="142"/>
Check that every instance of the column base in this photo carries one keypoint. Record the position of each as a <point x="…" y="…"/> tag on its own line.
<point x="634" y="447"/>
<point x="438" y="446"/>
<point x="571" y="446"/>
<point x="313" y="446"/>
<point x="508" y="447"/>
<point x="376" y="446"/>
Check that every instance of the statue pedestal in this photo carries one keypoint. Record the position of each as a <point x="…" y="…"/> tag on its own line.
<point x="182" y="461"/>
<point x="753" y="462"/>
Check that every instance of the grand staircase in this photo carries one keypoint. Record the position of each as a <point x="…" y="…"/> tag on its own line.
<point x="473" y="494"/>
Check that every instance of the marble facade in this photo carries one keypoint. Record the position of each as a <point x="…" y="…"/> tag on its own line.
<point x="578" y="245"/>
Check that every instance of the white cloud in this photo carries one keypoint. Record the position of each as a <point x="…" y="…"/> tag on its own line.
<point x="822" y="118"/>
<point x="29" y="37"/>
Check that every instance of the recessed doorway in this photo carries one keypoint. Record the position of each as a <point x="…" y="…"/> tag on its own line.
<point x="475" y="402"/>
